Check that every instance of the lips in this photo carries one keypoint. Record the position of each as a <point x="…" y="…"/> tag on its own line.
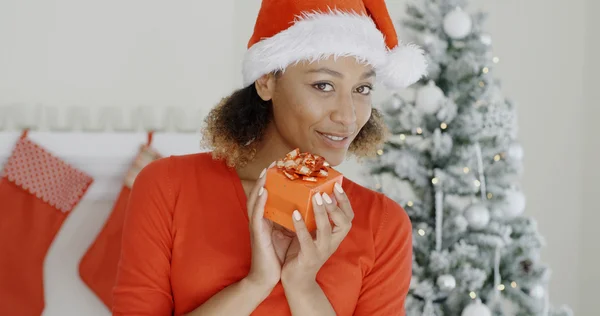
<point x="335" y="140"/>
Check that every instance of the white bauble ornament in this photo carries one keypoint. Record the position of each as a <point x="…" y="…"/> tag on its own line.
<point x="537" y="292"/>
<point x="457" y="24"/>
<point x="461" y="224"/>
<point x="446" y="282"/>
<point x="514" y="203"/>
<point x="486" y="39"/>
<point x="515" y="151"/>
<point x="429" y="98"/>
<point x="393" y="105"/>
<point x="477" y="308"/>
<point x="477" y="215"/>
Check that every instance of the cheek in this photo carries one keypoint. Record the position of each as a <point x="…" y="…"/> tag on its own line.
<point x="301" y="111"/>
<point x="363" y="113"/>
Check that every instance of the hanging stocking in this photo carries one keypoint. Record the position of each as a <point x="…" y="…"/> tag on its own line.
<point x="37" y="193"/>
<point x="98" y="267"/>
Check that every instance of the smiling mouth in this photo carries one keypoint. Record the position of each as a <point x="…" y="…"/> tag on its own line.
<point x="335" y="138"/>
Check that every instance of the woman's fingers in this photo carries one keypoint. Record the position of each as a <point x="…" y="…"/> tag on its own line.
<point x="342" y="201"/>
<point x="320" y="202"/>
<point x="256" y="192"/>
<point x="307" y="245"/>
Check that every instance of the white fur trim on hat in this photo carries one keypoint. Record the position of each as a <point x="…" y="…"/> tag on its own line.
<point x="317" y="35"/>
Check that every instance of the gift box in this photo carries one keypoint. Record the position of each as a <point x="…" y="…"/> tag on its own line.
<point x="291" y="184"/>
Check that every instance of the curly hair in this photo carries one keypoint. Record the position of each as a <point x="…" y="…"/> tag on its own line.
<point x="237" y="124"/>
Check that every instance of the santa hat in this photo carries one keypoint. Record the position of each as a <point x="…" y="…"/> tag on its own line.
<point x="290" y="31"/>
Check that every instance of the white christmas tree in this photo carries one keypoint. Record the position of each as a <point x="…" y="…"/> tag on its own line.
<point x="454" y="163"/>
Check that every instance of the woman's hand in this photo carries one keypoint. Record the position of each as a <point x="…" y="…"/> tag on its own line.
<point x="306" y="255"/>
<point x="269" y="245"/>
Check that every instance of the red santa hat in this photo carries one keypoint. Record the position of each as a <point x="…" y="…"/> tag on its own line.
<point x="290" y="31"/>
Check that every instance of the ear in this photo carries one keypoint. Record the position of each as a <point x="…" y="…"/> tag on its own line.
<point x="265" y="86"/>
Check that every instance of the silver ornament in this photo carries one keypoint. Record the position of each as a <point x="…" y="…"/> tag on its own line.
<point x="486" y="39"/>
<point x="393" y="105"/>
<point x="514" y="203"/>
<point x="446" y="282"/>
<point x="457" y="24"/>
<point x="477" y="215"/>
<point x="429" y="98"/>
<point x="515" y="151"/>
<point x="477" y="308"/>
<point x="537" y="291"/>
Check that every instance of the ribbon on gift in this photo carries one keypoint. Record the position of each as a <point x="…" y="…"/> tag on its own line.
<point x="304" y="166"/>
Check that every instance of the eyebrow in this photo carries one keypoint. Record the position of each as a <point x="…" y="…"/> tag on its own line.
<point x="370" y="73"/>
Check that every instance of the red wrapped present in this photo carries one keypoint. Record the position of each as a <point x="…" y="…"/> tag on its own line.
<point x="291" y="184"/>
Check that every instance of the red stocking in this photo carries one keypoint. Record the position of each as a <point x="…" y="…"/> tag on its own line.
<point x="37" y="193"/>
<point x="98" y="267"/>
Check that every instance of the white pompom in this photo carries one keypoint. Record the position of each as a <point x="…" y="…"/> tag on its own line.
<point x="476" y="308"/>
<point x="457" y="24"/>
<point x="514" y="203"/>
<point x="405" y="65"/>
<point x="477" y="215"/>
<point x="429" y="98"/>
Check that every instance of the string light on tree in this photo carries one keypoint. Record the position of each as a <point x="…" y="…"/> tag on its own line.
<point x="466" y="170"/>
<point x="485" y="70"/>
<point x="380" y="152"/>
<point x="513" y="284"/>
<point x="410" y="203"/>
<point x="419" y="131"/>
<point x="457" y="24"/>
<point x="443" y="125"/>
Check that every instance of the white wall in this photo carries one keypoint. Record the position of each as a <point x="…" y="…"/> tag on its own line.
<point x="590" y="248"/>
<point x="65" y="52"/>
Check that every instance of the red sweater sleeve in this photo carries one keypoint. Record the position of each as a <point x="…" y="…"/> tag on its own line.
<point x="143" y="278"/>
<point x="386" y="285"/>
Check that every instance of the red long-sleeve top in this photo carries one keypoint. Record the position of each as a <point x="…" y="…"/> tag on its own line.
<point x="186" y="237"/>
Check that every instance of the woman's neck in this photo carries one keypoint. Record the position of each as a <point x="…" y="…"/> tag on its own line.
<point x="271" y="148"/>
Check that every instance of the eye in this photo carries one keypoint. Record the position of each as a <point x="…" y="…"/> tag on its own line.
<point x="323" y="86"/>
<point x="364" y="90"/>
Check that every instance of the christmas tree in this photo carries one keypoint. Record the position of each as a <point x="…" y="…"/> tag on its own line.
<point x="454" y="163"/>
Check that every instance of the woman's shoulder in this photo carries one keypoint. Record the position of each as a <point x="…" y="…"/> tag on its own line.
<point x="375" y="208"/>
<point x="178" y="165"/>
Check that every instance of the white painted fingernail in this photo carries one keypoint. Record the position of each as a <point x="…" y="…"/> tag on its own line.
<point x="272" y="164"/>
<point x="327" y="198"/>
<point x="338" y="187"/>
<point x="260" y="192"/>
<point x="297" y="215"/>
<point x="318" y="199"/>
<point x="262" y="174"/>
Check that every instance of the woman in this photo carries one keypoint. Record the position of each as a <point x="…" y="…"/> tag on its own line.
<point x="195" y="241"/>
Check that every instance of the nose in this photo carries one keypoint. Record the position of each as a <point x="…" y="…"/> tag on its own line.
<point x="344" y="111"/>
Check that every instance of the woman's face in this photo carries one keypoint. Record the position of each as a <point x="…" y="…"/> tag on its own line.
<point x="320" y="107"/>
